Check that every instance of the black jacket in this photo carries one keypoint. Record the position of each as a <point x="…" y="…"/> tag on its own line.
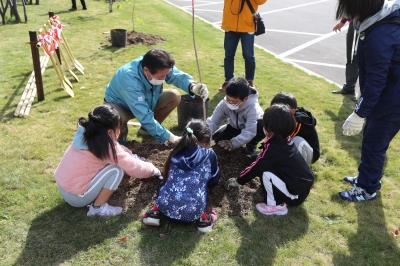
<point x="283" y="160"/>
<point x="305" y="128"/>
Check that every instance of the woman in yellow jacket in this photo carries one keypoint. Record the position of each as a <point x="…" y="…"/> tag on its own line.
<point x="238" y="24"/>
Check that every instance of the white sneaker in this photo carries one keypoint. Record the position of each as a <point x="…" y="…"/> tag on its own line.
<point x="104" y="210"/>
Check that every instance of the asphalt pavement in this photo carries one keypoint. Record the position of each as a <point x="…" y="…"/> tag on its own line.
<point x="297" y="31"/>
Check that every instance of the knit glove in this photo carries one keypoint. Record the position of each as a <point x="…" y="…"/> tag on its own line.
<point x="201" y="90"/>
<point x="157" y="173"/>
<point x="232" y="182"/>
<point x="353" y="125"/>
<point x="173" y="139"/>
<point x="226" y="144"/>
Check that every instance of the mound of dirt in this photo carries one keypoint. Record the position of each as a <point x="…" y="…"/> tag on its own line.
<point x="134" y="38"/>
<point x="136" y="194"/>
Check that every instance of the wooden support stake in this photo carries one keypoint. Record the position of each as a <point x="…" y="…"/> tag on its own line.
<point x="36" y="65"/>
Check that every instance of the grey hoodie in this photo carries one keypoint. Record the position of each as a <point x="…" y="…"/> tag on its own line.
<point x="388" y="8"/>
<point x="245" y="119"/>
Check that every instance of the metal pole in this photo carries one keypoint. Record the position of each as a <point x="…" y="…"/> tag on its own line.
<point x="197" y="62"/>
<point x="36" y="65"/>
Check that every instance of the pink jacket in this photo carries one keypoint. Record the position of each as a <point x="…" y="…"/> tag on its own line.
<point x="79" y="166"/>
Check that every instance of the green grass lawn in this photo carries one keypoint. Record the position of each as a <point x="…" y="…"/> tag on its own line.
<point x="38" y="228"/>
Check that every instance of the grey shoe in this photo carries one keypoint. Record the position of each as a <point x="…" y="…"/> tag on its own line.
<point x="143" y="132"/>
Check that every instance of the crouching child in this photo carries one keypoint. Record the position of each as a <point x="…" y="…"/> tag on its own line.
<point x="285" y="176"/>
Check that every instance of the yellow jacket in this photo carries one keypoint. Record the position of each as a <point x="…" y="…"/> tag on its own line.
<point x="232" y="20"/>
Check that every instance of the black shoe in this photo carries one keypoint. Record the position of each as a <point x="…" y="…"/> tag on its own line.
<point x="72" y="9"/>
<point x="354" y="100"/>
<point x="84" y="8"/>
<point x="350" y="179"/>
<point x="251" y="151"/>
<point x="342" y="91"/>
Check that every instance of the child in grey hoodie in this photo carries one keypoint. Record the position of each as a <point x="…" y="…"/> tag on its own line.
<point x="245" y="126"/>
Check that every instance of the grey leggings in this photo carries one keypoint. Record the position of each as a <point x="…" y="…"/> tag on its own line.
<point x="109" y="177"/>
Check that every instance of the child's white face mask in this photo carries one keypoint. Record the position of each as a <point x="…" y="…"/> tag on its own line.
<point x="232" y="106"/>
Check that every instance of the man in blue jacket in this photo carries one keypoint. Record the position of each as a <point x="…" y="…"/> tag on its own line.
<point x="136" y="90"/>
<point x="378" y="55"/>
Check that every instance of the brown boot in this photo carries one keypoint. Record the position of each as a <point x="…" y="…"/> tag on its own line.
<point x="251" y="83"/>
<point x="223" y="86"/>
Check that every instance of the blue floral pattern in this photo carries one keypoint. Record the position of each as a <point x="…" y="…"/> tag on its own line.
<point x="184" y="195"/>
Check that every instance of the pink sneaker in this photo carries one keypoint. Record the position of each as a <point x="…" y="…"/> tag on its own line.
<point x="272" y="210"/>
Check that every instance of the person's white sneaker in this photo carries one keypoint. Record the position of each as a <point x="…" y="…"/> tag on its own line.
<point x="104" y="210"/>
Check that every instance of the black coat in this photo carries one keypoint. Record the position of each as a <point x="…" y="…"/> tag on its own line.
<point x="283" y="160"/>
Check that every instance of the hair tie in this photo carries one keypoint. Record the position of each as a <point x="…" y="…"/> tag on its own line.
<point x="94" y="119"/>
<point x="189" y="130"/>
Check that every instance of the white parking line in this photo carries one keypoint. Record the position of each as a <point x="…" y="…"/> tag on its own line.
<point x="295" y="32"/>
<point x="316" y="63"/>
<point x="292" y="7"/>
<point x="207" y="4"/>
<point x="207" y="10"/>
<point x="307" y="44"/>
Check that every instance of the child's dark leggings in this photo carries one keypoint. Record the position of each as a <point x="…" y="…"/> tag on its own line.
<point x="230" y="132"/>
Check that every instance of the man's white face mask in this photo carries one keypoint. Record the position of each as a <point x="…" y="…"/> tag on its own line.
<point x="156" y="82"/>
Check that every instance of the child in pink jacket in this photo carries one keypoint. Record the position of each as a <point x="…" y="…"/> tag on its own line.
<point x="94" y="164"/>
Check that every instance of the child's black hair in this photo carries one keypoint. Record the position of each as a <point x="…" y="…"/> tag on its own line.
<point x="196" y="131"/>
<point x="279" y="121"/>
<point x="360" y="9"/>
<point x="238" y="87"/>
<point x="101" y="119"/>
<point x="285" y="98"/>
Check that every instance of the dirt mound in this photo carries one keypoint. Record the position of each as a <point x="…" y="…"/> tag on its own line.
<point x="136" y="194"/>
<point x="134" y="38"/>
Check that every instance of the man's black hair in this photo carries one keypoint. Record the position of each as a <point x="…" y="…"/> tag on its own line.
<point x="158" y="59"/>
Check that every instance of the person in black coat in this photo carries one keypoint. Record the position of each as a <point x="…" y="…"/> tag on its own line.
<point x="305" y="135"/>
<point x="285" y="176"/>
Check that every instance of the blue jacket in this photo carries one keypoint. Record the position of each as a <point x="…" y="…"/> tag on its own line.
<point x="380" y="94"/>
<point x="183" y="196"/>
<point x="130" y="89"/>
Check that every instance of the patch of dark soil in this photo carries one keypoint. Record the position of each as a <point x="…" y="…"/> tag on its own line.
<point x="136" y="194"/>
<point x="134" y="38"/>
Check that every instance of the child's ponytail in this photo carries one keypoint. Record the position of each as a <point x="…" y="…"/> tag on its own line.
<point x="101" y="119"/>
<point x="196" y="131"/>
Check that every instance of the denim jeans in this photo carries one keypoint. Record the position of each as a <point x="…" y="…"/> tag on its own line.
<point x="230" y="45"/>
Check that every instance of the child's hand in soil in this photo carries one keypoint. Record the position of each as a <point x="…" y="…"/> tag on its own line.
<point x="232" y="182"/>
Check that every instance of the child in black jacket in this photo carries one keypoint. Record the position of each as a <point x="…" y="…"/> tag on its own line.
<point x="286" y="178"/>
<point x="305" y="135"/>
